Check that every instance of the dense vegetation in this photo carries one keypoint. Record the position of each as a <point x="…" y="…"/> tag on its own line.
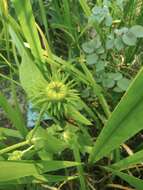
<point x="71" y="94"/>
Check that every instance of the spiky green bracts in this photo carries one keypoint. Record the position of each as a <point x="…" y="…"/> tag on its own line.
<point x="57" y="94"/>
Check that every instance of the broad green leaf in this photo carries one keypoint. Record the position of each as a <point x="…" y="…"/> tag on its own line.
<point x="100" y="50"/>
<point x="133" y="181"/>
<point x="92" y="45"/>
<point x="92" y="59"/>
<point x="108" y="20"/>
<point x="100" y="66"/>
<point x="137" y="30"/>
<point x="130" y="161"/>
<point x="117" y="89"/>
<point x="125" y="121"/>
<point x="27" y="22"/>
<point x="30" y="76"/>
<point x="13" y="115"/>
<point x="87" y="47"/>
<point x="123" y="83"/>
<point x="115" y="76"/>
<point x="118" y="43"/>
<point x="12" y="170"/>
<point x="109" y="83"/>
<point x="129" y="38"/>
<point x="96" y="42"/>
<point x="109" y="43"/>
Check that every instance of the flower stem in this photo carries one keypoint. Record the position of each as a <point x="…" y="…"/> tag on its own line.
<point x="13" y="147"/>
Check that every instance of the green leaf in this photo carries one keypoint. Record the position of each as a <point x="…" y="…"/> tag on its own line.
<point x="123" y="83"/>
<point x="85" y="7"/>
<point x="87" y="47"/>
<point x="117" y="89"/>
<point x="129" y="38"/>
<point x="92" y="45"/>
<point x="48" y="166"/>
<point x="100" y="66"/>
<point x="115" y="76"/>
<point x="137" y="30"/>
<point x="12" y="170"/>
<point x="109" y="43"/>
<point x="133" y="181"/>
<point x="108" y="20"/>
<point x="92" y="59"/>
<point x="100" y="50"/>
<point x="129" y="162"/>
<point x="30" y="76"/>
<point x="42" y="140"/>
<point x="76" y="115"/>
<point x="54" y="178"/>
<point x="109" y="83"/>
<point x="27" y="22"/>
<point x="118" y="43"/>
<point x="13" y="115"/>
<point x="125" y="121"/>
<point x="96" y="42"/>
<point x="37" y="179"/>
<point x="10" y="132"/>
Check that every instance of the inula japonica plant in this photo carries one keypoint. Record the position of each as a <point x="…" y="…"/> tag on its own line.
<point x="71" y="96"/>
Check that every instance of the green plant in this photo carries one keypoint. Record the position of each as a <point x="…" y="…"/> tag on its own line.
<point x="77" y="90"/>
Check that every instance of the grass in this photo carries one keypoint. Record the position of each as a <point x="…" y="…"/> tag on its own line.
<point x="76" y="63"/>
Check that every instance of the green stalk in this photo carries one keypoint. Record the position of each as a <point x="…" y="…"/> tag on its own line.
<point x="42" y="111"/>
<point x="85" y="7"/>
<point x="104" y="105"/>
<point x="96" y="88"/>
<point x="13" y="147"/>
<point x="79" y="168"/>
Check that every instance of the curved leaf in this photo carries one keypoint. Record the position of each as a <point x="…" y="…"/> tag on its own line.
<point x="133" y="181"/>
<point x="27" y="22"/>
<point x="125" y="121"/>
<point x="129" y="161"/>
<point x="12" y="170"/>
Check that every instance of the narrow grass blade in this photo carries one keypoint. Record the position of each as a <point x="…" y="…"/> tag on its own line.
<point x="85" y="7"/>
<point x="133" y="181"/>
<point x="27" y="22"/>
<point x="130" y="161"/>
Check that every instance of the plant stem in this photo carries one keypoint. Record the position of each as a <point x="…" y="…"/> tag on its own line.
<point x="104" y="105"/>
<point x="13" y="147"/>
<point x="79" y="168"/>
<point x="96" y="87"/>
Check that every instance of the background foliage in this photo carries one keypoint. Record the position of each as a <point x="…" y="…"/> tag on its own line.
<point x="69" y="72"/>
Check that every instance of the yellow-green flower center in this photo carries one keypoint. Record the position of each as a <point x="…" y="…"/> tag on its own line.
<point x="56" y="91"/>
